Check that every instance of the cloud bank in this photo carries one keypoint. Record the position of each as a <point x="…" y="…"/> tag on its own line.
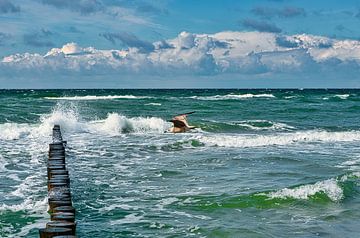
<point x="230" y="53"/>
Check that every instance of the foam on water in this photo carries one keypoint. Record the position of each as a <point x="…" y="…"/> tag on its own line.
<point x="29" y="204"/>
<point x="329" y="187"/>
<point x="332" y="188"/>
<point x="116" y="124"/>
<point x="342" y="96"/>
<point x="263" y="125"/>
<point x="278" y="139"/>
<point x="64" y="115"/>
<point x="233" y="96"/>
<point x="13" y="131"/>
<point x="69" y="120"/>
<point x="128" y="219"/>
<point x="153" y="104"/>
<point x="93" y="97"/>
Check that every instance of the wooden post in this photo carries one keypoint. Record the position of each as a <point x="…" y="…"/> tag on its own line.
<point x="62" y="224"/>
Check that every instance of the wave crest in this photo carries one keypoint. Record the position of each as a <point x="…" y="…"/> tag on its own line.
<point x="13" y="131"/>
<point x="329" y="187"/>
<point x="94" y="97"/>
<point x="243" y="141"/>
<point x="233" y="96"/>
<point x="117" y="124"/>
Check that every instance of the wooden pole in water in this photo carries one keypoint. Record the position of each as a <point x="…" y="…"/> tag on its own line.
<point x="62" y="212"/>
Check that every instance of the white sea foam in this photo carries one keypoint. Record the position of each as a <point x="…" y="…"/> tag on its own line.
<point x="153" y="104"/>
<point x="13" y="131"/>
<point x="342" y="96"/>
<point x="352" y="164"/>
<point x="116" y="124"/>
<point x="165" y="202"/>
<point x="278" y="139"/>
<point x="329" y="187"/>
<point x="233" y="96"/>
<point x="93" y="97"/>
<point x="27" y="228"/>
<point x="28" y="204"/>
<point x="252" y="124"/>
<point x="27" y="186"/>
<point x="128" y="219"/>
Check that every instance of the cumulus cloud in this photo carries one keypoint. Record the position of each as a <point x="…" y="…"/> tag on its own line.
<point x="261" y="26"/>
<point x="247" y="53"/>
<point x="8" y="7"/>
<point x="286" y="12"/>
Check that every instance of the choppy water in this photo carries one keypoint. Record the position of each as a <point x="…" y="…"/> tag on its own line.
<point x="263" y="163"/>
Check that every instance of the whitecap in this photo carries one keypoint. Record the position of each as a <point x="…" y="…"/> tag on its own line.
<point x="94" y="97"/>
<point x="248" y="140"/>
<point x="330" y="187"/>
<point x="13" y="131"/>
<point x="251" y="124"/>
<point x="342" y="96"/>
<point x="28" y="204"/>
<point x="128" y="219"/>
<point x="233" y="96"/>
<point x="153" y="104"/>
<point x="116" y="124"/>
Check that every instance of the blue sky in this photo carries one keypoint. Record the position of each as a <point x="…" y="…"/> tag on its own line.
<point x="205" y="43"/>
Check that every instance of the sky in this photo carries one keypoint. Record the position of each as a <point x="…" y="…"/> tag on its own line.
<point x="179" y="44"/>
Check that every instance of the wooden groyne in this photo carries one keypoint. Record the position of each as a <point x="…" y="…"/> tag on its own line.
<point x="62" y="213"/>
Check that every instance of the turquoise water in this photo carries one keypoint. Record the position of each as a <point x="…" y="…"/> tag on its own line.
<point x="262" y="163"/>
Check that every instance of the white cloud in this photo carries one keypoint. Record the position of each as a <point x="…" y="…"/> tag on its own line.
<point x="251" y="53"/>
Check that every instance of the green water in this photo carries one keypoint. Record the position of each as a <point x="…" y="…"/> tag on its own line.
<point x="262" y="163"/>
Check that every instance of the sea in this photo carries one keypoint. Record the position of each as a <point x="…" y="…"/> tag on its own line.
<point x="260" y="163"/>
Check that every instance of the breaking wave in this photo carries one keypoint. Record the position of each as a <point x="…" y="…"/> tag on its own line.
<point x="278" y="139"/>
<point x="233" y="96"/>
<point x="247" y="125"/>
<point x="117" y="124"/>
<point x="12" y="131"/>
<point x="328" y="187"/>
<point x="338" y="96"/>
<point x="330" y="190"/>
<point x="93" y="97"/>
<point x="70" y="121"/>
<point x="334" y="189"/>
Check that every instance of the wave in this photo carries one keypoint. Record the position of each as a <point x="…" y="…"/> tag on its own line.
<point x="342" y="96"/>
<point x="232" y="97"/>
<point x="93" y="97"/>
<point x="338" y="96"/>
<point x="334" y="189"/>
<point x="153" y="104"/>
<point x="263" y="125"/>
<point x="13" y="131"/>
<point x="328" y="187"/>
<point x="279" y="139"/>
<point x="247" y="125"/>
<point x="329" y="190"/>
<point x="70" y="121"/>
<point x="116" y="124"/>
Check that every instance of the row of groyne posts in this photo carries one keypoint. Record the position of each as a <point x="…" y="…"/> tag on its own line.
<point x="62" y="213"/>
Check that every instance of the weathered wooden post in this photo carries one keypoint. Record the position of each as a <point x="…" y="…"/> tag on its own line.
<point x="62" y="213"/>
